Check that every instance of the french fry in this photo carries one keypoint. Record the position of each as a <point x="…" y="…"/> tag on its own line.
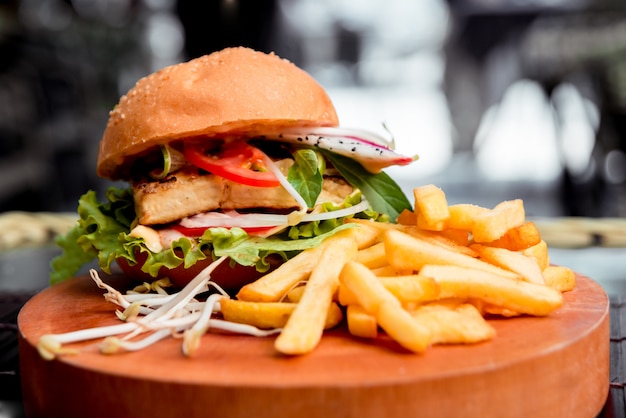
<point x="408" y="252"/>
<point x="379" y="226"/>
<point x="407" y="289"/>
<point x="373" y="257"/>
<point x="273" y="286"/>
<point x="431" y="207"/>
<point x="390" y="270"/>
<point x="413" y="288"/>
<point x="516" y="262"/>
<point x="382" y="305"/>
<point x="430" y="278"/>
<point x="360" y="323"/>
<point x="515" y="295"/>
<point x="489" y="309"/>
<point x="407" y="217"/>
<point x="459" y="236"/>
<point x="305" y="326"/>
<point x="560" y="278"/>
<point x="462" y="216"/>
<point x="450" y="324"/>
<point x="493" y="224"/>
<point x="270" y="315"/>
<point x="295" y="294"/>
<point x="366" y="235"/>
<point x="518" y="238"/>
<point x="540" y="253"/>
<point x="443" y="240"/>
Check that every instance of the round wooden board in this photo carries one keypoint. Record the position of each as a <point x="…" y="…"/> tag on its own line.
<point x="556" y="366"/>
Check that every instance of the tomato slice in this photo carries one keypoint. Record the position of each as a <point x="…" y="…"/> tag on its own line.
<point x="239" y="162"/>
<point x="198" y="231"/>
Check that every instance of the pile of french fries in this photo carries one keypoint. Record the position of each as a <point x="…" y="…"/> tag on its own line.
<point x="430" y="278"/>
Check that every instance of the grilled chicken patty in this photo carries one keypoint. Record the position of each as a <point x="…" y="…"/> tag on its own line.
<point x="190" y="191"/>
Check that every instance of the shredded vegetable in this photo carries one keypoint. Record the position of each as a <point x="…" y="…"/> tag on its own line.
<point x="155" y="315"/>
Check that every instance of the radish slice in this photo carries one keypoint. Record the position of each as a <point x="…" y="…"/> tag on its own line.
<point x="357" y="134"/>
<point x="371" y="150"/>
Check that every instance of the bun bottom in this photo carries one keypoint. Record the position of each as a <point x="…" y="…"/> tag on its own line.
<point x="230" y="278"/>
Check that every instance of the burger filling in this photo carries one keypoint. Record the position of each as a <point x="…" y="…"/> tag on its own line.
<point x="244" y="199"/>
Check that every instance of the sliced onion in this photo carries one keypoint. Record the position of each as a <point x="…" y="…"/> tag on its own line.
<point x="295" y="217"/>
<point x="235" y="219"/>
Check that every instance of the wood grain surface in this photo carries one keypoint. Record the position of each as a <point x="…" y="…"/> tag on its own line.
<point x="556" y="366"/>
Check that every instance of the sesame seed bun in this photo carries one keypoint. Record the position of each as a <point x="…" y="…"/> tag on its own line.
<point x="236" y="91"/>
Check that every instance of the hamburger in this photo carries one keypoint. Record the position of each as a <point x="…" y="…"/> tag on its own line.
<point x="238" y="154"/>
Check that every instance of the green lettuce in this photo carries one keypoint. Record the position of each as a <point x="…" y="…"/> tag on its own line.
<point x="102" y="234"/>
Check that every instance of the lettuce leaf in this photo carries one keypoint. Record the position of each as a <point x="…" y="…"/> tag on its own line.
<point x="102" y="233"/>
<point x="95" y="235"/>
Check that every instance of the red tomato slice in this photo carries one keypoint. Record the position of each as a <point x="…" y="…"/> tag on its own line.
<point x="239" y="162"/>
<point x="198" y="231"/>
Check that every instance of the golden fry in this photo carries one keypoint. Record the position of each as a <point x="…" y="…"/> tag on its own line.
<point x="390" y="270"/>
<point x="413" y="288"/>
<point x="441" y="239"/>
<point x="560" y="278"/>
<point x="516" y="262"/>
<point x="269" y="315"/>
<point x="462" y="216"/>
<point x="379" y="226"/>
<point x="431" y="207"/>
<point x="540" y="253"/>
<point x="518" y="238"/>
<point x="407" y="289"/>
<point x="295" y="294"/>
<point x="273" y="286"/>
<point x="366" y="235"/>
<point x="428" y="279"/>
<point x="360" y="323"/>
<point x="382" y="305"/>
<point x="408" y="252"/>
<point x="305" y="326"/>
<point x="407" y="217"/>
<point x="373" y="257"/>
<point x="493" y="224"/>
<point x="449" y="324"/>
<point x="515" y="295"/>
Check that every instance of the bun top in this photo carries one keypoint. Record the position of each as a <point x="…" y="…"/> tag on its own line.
<point x="236" y="91"/>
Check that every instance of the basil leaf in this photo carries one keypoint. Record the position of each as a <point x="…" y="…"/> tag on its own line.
<point x="381" y="191"/>
<point x="305" y="175"/>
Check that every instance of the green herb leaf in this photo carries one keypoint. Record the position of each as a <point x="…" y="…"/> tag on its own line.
<point x="382" y="192"/>
<point x="95" y="235"/>
<point x="305" y="175"/>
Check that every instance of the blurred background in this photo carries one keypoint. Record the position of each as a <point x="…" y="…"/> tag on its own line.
<point x="500" y="98"/>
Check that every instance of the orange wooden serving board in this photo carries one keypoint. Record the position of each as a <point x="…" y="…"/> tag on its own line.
<point x="557" y="366"/>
